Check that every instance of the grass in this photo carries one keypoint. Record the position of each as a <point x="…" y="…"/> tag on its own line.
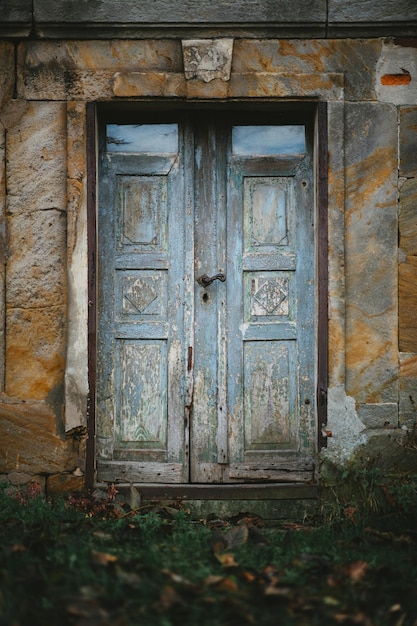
<point x="89" y="561"/>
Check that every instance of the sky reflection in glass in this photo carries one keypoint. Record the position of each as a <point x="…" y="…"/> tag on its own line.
<point x="268" y="140"/>
<point x="142" y="138"/>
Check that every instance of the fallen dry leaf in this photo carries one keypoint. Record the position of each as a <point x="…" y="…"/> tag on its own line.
<point x="388" y="536"/>
<point x="90" y="592"/>
<point x="248" y="576"/>
<point x="356" y="571"/>
<point x="277" y="590"/>
<point x="169" y="597"/>
<point x="213" y="580"/>
<point x="177" y="578"/>
<point x="226" y="559"/>
<point x="221" y="582"/>
<point x="89" y="610"/>
<point x="103" y="558"/>
<point x="134" y="498"/>
<point x="100" y="534"/>
<point x="237" y="536"/>
<point x="228" y="584"/>
<point x="128" y="578"/>
<point x="350" y="512"/>
<point x="18" y="547"/>
<point x="390" y="498"/>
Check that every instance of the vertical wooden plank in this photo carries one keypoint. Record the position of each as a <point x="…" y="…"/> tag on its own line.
<point x="107" y="215"/>
<point x="187" y="149"/>
<point x="92" y="286"/>
<point x="322" y="259"/>
<point x="76" y="367"/>
<point x="306" y="297"/>
<point x="177" y="287"/>
<point x="204" y="418"/>
<point x="235" y="312"/>
<point x="2" y="255"/>
<point x="221" y="194"/>
<point x="207" y="432"/>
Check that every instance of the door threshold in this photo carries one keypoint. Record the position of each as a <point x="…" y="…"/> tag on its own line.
<point x="273" y="502"/>
<point x="270" y="491"/>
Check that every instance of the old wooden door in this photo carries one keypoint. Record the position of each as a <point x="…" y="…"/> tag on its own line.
<point x="206" y="301"/>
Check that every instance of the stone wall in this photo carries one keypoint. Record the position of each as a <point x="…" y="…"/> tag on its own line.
<point x="370" y="85"/>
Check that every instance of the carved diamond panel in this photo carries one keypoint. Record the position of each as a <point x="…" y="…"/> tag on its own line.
<point x="268" y="294"/>
<point x="142" y="294"/>
<point x="270" y="298"/>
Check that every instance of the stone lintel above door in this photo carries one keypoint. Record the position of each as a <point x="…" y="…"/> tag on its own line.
<point x="323" y="86"/>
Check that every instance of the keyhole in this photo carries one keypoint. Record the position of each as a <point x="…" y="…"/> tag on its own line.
<point x="205" y="297"/>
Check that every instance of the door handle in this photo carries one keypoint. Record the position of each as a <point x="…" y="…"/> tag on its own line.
<point x="205" y="280"/>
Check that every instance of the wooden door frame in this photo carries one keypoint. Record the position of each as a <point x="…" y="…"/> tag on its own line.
<point x="259" y="491"/>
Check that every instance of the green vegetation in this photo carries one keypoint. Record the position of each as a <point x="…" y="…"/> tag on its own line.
<point x="98" y="560"/>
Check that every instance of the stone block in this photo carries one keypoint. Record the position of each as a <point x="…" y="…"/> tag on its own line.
<point x="30" y="486"/>
<point x="354" y="59"/>
<point x="19" y="478"/>
<point x="35" y="352"/>
<point x="84" y="70"/>
<point x="36" y="148"/>
<point x="408" y="390"/>
<point x="36" y="275"/>
<point x="408" y="267"/>
<point x="125" y="12"/>
<point x="408" y="142"/>
<point x="7" y="72"/>
<point x="61" y="484"/>
<point x="16" y="18"/>
<point x="36" y="228"/>
<point x="391" y="451"/>
<point x="336" y="246"/>
<point x="142" y="84"/>
<point x="407" y="223"/>
<point x="379" y="415"/>
<point x="389" y="11"/>
<point x="30" y="443"/>
<point x="407" y="305"/>
<point x="268" y="84"/>
<point x="371" y="253"/>
<point x="3" y="251"/>
<point x="396" y="74"/>
<point x="16" y="10"/>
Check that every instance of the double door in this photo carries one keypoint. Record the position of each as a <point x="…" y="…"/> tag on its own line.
<point x="206" y="350"/>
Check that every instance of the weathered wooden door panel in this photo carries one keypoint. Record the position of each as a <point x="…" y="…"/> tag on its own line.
<point x="271" y="335"/>
<point x="206" y="383"/>
<point x="140" y="398"/>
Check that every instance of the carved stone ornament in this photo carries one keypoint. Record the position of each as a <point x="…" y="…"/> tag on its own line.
<point x="207" y="59"/>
